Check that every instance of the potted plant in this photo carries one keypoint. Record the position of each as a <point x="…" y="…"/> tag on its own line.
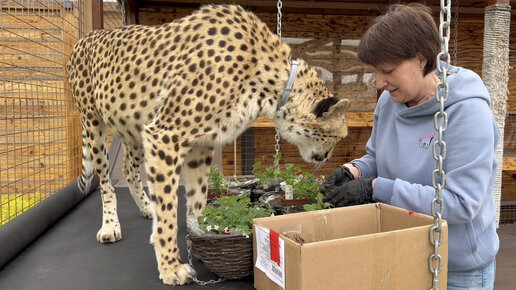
<point x="218" y="184"/>
<point x="270" y="176"/>
<point x="226" y="247"/>
<point x="231" y="215"/>
<point x="304" y="185"/>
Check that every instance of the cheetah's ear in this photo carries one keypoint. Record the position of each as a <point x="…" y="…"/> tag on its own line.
<point x="331" y="106"/>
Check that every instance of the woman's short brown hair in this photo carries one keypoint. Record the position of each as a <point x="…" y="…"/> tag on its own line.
<point x="399" y="34"/>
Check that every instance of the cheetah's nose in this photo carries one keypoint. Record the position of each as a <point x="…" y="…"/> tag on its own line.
<point x="317" y="157"/>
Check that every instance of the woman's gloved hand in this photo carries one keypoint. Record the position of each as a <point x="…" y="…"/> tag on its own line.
<point x="354" y="192"/>
<point x="340" y="176"/>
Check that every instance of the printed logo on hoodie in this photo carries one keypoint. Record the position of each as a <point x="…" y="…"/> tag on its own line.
<point x="424" y="142"/>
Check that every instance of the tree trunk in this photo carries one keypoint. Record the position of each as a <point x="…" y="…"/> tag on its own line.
<point x="495" y="74"/>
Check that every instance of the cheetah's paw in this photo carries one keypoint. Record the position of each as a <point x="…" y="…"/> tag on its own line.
<point x="109" y="233"/>
<point x="183" y="274"/>
<point x="146" y="212"/>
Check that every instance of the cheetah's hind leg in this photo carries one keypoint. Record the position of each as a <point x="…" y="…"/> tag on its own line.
<point x="84" y="181"/>
<point x="96" y="141"/>
<point x="133" y="158"/>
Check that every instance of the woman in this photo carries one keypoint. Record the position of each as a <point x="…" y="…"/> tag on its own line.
<point x="401" y="46"/>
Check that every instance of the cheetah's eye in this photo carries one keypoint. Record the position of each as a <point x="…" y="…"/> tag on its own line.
<point x="324" y="105"/>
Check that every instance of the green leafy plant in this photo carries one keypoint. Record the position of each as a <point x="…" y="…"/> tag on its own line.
<point x="217" y="182"/>
<point x="304" y="184"/>
<point x="271" y="173"/>
<point x="231" y="214"/>
<point x="318" y="205"/>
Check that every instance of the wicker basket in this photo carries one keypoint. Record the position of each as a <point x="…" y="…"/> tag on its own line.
<point x="229" y="257"/>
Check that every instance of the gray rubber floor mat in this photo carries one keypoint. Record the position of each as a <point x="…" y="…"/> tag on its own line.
<point x="68" y="256"/>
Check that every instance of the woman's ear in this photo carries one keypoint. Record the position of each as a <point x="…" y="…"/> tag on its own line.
<point x="422" y="61"/>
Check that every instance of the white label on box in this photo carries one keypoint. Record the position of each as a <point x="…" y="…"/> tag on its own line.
<point x="270" y="259"/>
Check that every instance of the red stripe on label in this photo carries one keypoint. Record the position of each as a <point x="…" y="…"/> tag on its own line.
<point x="274" y="243"/>
<point x="411" y="212"/>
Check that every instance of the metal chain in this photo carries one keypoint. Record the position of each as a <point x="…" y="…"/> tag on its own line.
<point x="278" y="31"/>
<point x="122" y="10"/>
<point x="439" y="148"/>
<point x="278" y="25"/>
<point x="455" y="44"/>
<point x="199" y="282"/>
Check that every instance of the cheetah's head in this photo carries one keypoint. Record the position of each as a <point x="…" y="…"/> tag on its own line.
<point x="312" y="118"/>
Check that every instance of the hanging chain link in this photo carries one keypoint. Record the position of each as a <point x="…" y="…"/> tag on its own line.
<point x="278" y="31"/>
<point x="456" y="30"/>
<point x="199" y="282"/>
<point x="439" y="148"/>
<point x="278" y="23"/>
<point x="122" y="11"/>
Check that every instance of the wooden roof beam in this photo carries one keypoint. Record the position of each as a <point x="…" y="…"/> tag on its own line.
<point x="329" y="7"/>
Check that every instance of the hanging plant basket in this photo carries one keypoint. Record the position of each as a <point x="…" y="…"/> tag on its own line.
<point x="227" y="256"/>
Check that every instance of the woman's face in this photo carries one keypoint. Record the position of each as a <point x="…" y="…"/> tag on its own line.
<point x="404" y="81"/>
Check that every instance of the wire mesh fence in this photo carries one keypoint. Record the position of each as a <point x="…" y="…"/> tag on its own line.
<point x="114" y="14"/>
<point x="508" y="212"/>
<point x="39" y="127"/>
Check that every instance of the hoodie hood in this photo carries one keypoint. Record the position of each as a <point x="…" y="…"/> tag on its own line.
<point x="462" y="83"/>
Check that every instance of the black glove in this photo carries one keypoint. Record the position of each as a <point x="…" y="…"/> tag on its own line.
<point x="358" y="191"/>
<point x="340" y="176"/>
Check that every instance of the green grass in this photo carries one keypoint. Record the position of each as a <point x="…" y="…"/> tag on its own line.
<point x="15" y="204"/>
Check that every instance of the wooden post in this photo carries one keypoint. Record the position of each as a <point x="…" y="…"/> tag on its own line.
<point x="87" y="16"/>
<point x="131" y="12"/>
<point x="495" y="74"/>
<point x="70" y="34"/>
<point x="93" y="15"/>
<point x="97" y="10"/>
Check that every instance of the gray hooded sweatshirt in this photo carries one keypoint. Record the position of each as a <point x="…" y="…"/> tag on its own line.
<point x="399" y="153"/>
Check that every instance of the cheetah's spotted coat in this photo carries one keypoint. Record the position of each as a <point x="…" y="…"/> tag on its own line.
<point x="171" y="93"/>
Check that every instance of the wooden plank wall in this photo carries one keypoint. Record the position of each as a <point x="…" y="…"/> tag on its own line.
<point x="509" y="179"/>
<point x="346" y="150"/>
<point x="330" y="42"/>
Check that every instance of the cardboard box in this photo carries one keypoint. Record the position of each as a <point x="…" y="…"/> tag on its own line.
<point x="373" y="246"/>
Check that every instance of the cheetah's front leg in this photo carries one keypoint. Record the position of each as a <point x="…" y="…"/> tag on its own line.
<point x="196" y="172"/>
<point x="163" y="166"/>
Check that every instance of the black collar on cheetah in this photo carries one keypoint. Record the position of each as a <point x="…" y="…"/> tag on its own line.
<point x="290" y="84"/>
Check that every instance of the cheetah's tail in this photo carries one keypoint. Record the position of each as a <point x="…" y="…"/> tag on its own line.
<point x="84" y="181"/>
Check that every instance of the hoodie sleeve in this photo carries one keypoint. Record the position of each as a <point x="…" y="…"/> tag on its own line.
<point x="469" y="165"/>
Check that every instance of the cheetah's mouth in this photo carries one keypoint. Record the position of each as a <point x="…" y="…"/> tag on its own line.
<point x="320" y="159"/>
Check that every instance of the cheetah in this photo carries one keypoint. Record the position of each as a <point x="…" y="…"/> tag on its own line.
<point x="173" y="92"/>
